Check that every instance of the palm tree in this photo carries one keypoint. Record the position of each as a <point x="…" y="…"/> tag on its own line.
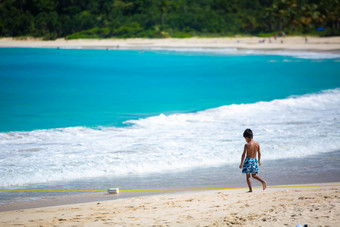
<point x="163" y="6"/>
<point x="22" y="2"/>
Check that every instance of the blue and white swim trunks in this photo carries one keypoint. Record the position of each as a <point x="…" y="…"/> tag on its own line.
<point x="250" y="165"/>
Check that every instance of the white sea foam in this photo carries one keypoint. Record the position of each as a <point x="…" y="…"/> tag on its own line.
<point x="287" y="128"/>
<point x="237" y="51"/>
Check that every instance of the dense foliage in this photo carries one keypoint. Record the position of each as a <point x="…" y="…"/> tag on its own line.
<point x="163" y="18"/>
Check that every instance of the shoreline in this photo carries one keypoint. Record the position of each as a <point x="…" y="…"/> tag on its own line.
<point x="64" y="200"/>
<point x="314" y="44"/>
<point x="273" y="207"/>
<point x="36" y="196"/>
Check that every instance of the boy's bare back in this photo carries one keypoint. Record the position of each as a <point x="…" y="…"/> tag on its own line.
<point x="252" y="148"/>
<point x="249" y="164"/>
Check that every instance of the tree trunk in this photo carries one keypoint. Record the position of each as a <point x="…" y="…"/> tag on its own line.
<point x="163" y="14"/>
<point x="280" y="24"/>
<point x="269" y="25"/>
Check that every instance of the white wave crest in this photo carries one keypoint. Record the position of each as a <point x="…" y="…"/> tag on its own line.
<point x="239" y="51"/>
<point x="286" y="128"/>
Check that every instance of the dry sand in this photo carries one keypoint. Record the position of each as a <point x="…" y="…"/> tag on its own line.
<point x="315" y="206"/>
<point x="289" y="43"/>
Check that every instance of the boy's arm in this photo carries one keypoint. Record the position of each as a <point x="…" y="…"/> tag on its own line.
<point x="259" y="153"/>
<point x="243" y="155"/>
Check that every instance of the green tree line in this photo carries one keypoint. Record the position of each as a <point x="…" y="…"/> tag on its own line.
<point x="51" y="19"/>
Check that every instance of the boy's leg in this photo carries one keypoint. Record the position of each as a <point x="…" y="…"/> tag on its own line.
<point x="264" y="184"/>
<point x="249" y="182"/>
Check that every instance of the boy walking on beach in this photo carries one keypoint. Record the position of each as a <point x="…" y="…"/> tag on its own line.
<point x="250" y="165"/>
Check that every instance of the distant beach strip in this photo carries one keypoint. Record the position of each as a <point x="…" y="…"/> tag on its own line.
<point x="316" y="44"/>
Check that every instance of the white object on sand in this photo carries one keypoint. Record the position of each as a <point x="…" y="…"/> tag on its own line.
<point x="113" y="190"/>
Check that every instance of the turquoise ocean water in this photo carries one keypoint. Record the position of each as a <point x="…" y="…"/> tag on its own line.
<point x="91" y="119"/>
<point x="51" y="88"/>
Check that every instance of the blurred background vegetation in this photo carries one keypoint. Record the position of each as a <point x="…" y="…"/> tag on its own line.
<point x="51" y="19"/>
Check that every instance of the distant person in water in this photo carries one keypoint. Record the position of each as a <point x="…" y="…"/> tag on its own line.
<point x="249" y="163"/>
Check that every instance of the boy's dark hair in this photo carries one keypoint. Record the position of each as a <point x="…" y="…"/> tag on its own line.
<point x="248" y="133"/>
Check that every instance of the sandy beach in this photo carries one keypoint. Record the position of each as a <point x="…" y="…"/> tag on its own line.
<point x="277" y="206"/>
<point x="287" y="43"/>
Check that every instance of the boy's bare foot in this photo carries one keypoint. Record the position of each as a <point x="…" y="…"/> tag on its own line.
<point x="264" y="184"/>
<point x="249" y="191"/>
